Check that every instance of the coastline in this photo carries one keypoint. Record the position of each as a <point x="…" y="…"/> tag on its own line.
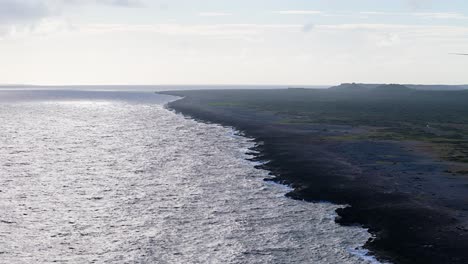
<point x="406" y="229"/>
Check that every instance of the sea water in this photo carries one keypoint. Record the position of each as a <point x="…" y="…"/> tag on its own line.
<point x="115" y="177"/>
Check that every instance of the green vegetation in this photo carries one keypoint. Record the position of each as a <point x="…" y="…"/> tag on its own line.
<point x="392" y="112"/>
<point x="224" y="104"/>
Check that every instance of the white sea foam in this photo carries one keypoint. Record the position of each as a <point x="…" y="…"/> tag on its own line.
<point x="364" y="254"/>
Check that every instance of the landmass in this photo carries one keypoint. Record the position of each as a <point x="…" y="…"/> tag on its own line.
<point x="396" y="154"/>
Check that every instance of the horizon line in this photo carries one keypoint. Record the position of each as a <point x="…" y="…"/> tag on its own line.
<point x="211" y="85"/>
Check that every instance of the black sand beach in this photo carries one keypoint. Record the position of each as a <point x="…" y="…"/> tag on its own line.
<point x="413" y="201"/>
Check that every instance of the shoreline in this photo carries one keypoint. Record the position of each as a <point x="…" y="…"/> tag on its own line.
<point x="406" y="230"/>
<point x="258" y="162"/>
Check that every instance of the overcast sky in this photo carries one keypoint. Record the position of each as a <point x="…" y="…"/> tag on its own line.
<point x="233" y="41"/>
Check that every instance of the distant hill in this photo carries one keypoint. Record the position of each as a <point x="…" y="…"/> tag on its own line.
<point x="350" y="87"/>
<point x="369" y="86"/>
<point x="439" y="87"/>
<point x="391" y="88"/>
<point x="359" y="87"/>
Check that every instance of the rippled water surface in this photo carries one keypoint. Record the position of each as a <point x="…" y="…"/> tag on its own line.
<point x="116" y="178"/>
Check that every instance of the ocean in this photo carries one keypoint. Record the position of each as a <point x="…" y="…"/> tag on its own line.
<point x="115" y="177"/>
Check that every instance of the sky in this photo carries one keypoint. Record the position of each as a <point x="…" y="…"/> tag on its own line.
<point x="280" y="42"/>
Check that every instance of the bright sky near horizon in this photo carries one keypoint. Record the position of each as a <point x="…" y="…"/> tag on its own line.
<point x="233" y="41"/>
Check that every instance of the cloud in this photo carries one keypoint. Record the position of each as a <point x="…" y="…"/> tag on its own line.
<point x="214" y="14"/>
<point x="126" y="3"/>
<point x="441" y="15"/>
<point x="123" y="3"/>
<point x="26" y="15"/>
<point x="20" y="11"/>
<point x="299" y="12"/>
<point x="419" y="4"/>
<point x="426" y="15"/>
<point x="388" y="40"/>
<point x="13" y="11"/>
<point x="215" y="30"/>
<point x="365" y="26"/>
<point x="381" y="34"/>
<point x="308" y="27"/>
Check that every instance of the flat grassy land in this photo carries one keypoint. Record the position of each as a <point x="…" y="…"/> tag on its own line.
<point x="437" y="118"/>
